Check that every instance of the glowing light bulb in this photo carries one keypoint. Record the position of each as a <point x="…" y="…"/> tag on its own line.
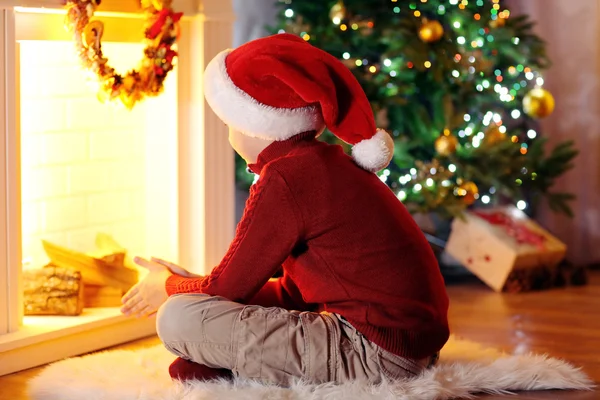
<point x="413" y="171"/>
<point x="402" y="195"/>
<point x="429" y="182"/>
<point x="515" y="114"/>
<point x="452" y="168"/>
<point x="387" y="62"/>
<point x="456" y="24"/>
<point x="521" y="205"/>
<point x="540" y="81"/>
<point x="392" y="73"/>
<point x="346" y="56"/>
<point x="289" y="13"/>
<point x="417" y="187"/>
<point x="485" y="199"/>
<point x="461" y="40"/>
<point x="531" y="134"/>
<point x="455" y="73"/>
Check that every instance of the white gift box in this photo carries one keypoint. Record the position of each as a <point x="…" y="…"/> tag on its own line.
<point x="496" y="242"/>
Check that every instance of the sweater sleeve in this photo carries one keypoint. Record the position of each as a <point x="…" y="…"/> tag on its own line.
<point x="281" y="292"/>
<point x="264" y="238"/>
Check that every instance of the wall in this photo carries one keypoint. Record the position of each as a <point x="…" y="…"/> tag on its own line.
<point x="84" y="165"/>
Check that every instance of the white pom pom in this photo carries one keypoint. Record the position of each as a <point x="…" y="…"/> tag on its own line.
<point x="375" y="153"/>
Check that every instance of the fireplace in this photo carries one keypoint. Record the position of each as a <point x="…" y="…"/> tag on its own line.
<point x="158" y="179"/>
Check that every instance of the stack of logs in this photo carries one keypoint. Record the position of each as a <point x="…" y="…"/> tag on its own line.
<point x="74" y="280"/>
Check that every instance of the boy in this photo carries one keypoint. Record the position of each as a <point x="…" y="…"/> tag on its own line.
<point x="361" y="297"/>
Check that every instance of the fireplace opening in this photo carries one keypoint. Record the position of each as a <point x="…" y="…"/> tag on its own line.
<point x="98" y="184"/>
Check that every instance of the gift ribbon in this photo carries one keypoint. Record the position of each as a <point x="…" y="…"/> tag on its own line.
<point x="519" y="231"/>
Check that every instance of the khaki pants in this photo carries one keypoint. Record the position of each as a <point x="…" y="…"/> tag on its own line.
<point x="275" y="345"/>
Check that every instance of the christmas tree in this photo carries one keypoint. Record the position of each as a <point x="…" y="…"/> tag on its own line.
<point x="457" y="84"/>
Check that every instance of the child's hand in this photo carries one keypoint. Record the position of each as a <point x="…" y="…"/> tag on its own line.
<point x="176" y="269"/>
<point x="145" y="298"/>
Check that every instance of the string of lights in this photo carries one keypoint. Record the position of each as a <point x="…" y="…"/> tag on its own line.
<point x="466" y="76"/>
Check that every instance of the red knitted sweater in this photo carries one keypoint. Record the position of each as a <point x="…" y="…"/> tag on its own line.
<point x="346" y="243"/>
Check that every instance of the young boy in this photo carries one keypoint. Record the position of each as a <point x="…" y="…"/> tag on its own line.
<point x="361" y="297"/>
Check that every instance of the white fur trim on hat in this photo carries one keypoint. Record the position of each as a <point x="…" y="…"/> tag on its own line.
<point x="245" y="114"/>
<point x="375" y="153"/>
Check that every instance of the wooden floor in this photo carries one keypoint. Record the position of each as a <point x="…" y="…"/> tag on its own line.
<point x="564" y="323"/>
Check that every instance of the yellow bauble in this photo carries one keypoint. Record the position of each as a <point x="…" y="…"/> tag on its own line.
<point x="498" y="22"/>
<point x="337" y="12"/>
<point x="446" y="144"/>
<point x="431" y="31"/>
<point x="493" y="135"/>
<point x="538" y="103"/>
<point x="468" y="192"/>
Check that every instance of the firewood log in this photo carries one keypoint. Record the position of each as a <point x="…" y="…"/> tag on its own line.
<point x="53" y="291"/>
<point x="108" y="270"/>
<point x="102" y="296"/>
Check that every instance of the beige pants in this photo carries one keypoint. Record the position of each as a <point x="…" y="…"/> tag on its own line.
<point x="275" y="345"/>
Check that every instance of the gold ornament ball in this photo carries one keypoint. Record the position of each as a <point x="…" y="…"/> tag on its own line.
<point x="337" y="12"/>
<point x="493" y="135"/>
<point x="538" y="103"/>
<point x="468" y="192"/>
<point x="446" y="144"/>
<point x="431" y="31"/>
<point x="498" y="22"/>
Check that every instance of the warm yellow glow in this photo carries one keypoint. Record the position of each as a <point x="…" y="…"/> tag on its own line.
<point x="62" y="11"/>
<point x="84" y="163"/>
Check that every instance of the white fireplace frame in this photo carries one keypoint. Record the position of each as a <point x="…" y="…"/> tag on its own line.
<point x="205" y="170"/>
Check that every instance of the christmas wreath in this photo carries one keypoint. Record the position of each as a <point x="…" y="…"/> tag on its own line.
<point x="161" y="33"/>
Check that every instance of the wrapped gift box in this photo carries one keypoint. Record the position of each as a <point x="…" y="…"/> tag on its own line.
<point x="505" y="249"/>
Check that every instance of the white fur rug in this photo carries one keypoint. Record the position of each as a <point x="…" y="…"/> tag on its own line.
<point x="465" y="369"/>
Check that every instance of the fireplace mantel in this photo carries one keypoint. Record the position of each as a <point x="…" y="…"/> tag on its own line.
<point x="205" y="168"/>
<point x="188" y="7"/>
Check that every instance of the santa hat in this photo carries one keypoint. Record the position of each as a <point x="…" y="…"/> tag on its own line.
<point x="279" y="86"/>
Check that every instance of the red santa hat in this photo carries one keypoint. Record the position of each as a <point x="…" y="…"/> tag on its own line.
<point x="279" y="86"/>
